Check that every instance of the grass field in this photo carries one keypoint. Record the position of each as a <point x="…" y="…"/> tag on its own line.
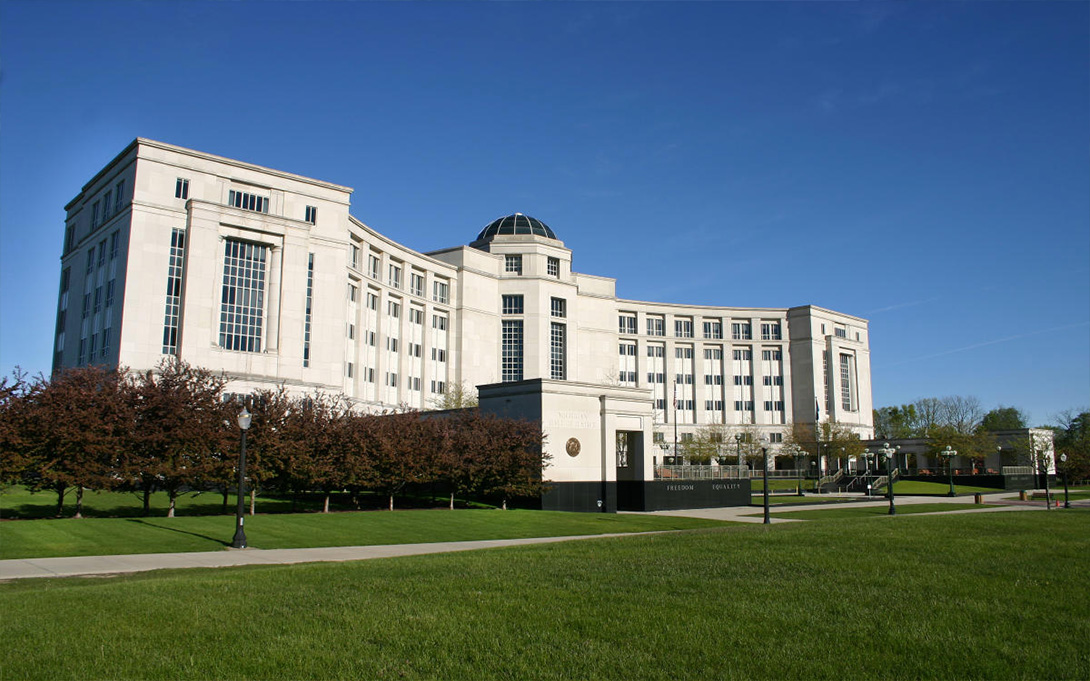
<point x="867" y="511"/>
<point x="939" y="488"/>
<point x="106" y="536"/>
<point x="977" y="596"/>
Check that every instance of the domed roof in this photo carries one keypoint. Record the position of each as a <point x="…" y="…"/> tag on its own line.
<point x="516" y="224"/>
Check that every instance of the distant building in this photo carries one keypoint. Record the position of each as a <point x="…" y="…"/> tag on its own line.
<point x="266" y="276"/>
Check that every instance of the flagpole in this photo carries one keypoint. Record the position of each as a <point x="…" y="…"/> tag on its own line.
<point x="675" y="424"/>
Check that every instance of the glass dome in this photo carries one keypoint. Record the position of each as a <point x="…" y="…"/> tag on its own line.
<point x="516" y="224"/>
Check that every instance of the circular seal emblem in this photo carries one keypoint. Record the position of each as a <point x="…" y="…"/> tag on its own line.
<point x="572" y="447"/>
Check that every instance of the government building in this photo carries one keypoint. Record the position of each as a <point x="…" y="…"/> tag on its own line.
<point x="267" y="277"/>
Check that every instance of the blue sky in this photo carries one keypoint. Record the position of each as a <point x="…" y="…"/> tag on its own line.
<point x="922" y="165"/>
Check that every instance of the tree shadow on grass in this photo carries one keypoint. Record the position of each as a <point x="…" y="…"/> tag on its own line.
<point x="142" y="521"/>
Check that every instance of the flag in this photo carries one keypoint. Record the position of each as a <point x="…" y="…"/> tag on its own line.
<point x="817" y="411"/>
<point x="675" y="396"/>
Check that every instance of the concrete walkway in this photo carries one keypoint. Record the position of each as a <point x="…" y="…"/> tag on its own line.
<point x="22" y="568"/>
<point x="140" y="562"/>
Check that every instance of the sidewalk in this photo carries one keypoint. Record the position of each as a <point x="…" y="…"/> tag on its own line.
<point x="72" y="566"/>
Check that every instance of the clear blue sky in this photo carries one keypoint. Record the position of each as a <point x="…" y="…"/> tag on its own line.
<point x="922" y="165"/>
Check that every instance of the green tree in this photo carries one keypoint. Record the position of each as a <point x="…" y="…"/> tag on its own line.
<point x="1073" y="439"/>
<point x="457" y="396"/>
<point x="1003" y="418"/>
<point x="974" y="447"/>
<point x="709" y="441"/>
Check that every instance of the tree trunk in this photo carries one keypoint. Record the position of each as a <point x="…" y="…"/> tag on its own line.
<point x="325" y="504"/>
<point x="391" y="502"/>
<point x="226" y="492"/>
<point x="60" y="489"/>
<point x="252" y="501"/>
<point x="452" y="501"/>
<point x="147" y="499"/>
<point x="173" y="496"/>
<point x="79" y="501"/>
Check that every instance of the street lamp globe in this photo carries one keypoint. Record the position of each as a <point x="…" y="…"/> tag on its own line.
<point x="244" y="419"/>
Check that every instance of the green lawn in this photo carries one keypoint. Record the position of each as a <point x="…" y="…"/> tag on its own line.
<point x="922" y="487"/>
<point x="104" y="536"/>
<point x="932" y="597"/>
<point x="868" y="511"/>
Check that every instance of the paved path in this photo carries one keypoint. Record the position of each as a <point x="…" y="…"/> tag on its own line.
<point x="141" y="562"/>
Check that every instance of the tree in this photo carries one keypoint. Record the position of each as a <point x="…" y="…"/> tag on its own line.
<point x="514" y="457"/>
<point x="1073" y="439"/>
<point x="15" y="456"/>
<point x="896" y="422"/>
<point x="973" y="446"/>
<point x="179" y="428"/>
<point x="1003" y="418"/>
<point x="78" y="427"/>
<point x="961" y="413"/>
<point x="400" y="453"/>
<point x="457" y="396"/>
<point x="709" y="441"/>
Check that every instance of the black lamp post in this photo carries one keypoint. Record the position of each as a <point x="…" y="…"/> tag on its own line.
<point x="738" y="441"/>
<point x="239" y="541"/>
<point x="1063" y="460"/>
<point x="764" y="455"/>
<point x="889" y="453"/>
<point x="1048" y="496"/>
<point x="949" y="453"/>
<point x="798" y="473"/>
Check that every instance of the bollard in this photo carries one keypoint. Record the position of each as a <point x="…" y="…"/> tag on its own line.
<point x="978" y="498"/>
<point x="1022" y="495"/>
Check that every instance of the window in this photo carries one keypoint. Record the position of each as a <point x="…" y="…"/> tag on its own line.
<point x="311" y="214"/>
<point x="713" y="330"/>
<point x="394" y="276"/>
<point x="743" y="405"/>
<point x="626" y="323"/>
<point x="119" y="194"/>
<point x="656" y="350"/>
<point x="683" y="328"/>
<point x="372" y="266"/>
<point x="393" y="309"/>
<point x="105" y="213"/>
<point x="416" y="284"/>
<point x="307" y="318"/>
<point x="441" y="292"/>
<point x="348" y="369"/>
<point x="439" y="322"/>
<point x="653" y="377"/>
<point x="354" y="256"/>
<point x="90" y="261"/>
<point x="415" y="350"/>
<point x="174" y="292"/>
<point x="557" y="342"/>
<point x="770" y="331"/>
<point x="372" y="301"/>
<point x="513" y="264"/>
<point x="439" y="354"/>
<point x="773" y="405"/>
<point x="683" y="352"/>
<point x="115" y="245"/>
<point x="713" y="405"/>
<point x="392" y="344"/>
<point x="772" y="380"/>
<point x="741" y="331"/>
<point x="745" y="355"/>
<point x="769" y="355"/>
<point x="102" y="253"/>
<point x="248" y="201"/>
<point x="743" y="380"/>
<point x="69" y="237"/>
<point x="391" y="379"/>
<point x="243" y="297"/>
<point x="713" y="379"/>
<point x="109" y="294"/>
<point x="656" y="326"/>
<point x="511" y="350"/>
<point x="353" y="292"/>
<point x="416" y="316"/>
<point x="439" y="387"/>
<point x="553" y="267"/>
<point x="713" y="353"/>
<point x="512" y="304"/>
<point x="775" y="438"/>
<point x="98" y="299"/>
<point x="840" y="331"/>
<point x="181" y="188"/>
<point x="105" y="343"/>
<point x="558" y="307"/>
<point x="94" y="215"/>
<point x="628" y="349"/>
<point x="847" y="378"/>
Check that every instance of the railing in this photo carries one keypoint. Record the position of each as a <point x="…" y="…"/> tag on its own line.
<point x="831" y="479"/>
<point x="701" y="472"/>
<point x="1018" y="470"/>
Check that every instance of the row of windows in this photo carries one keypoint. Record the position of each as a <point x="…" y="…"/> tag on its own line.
<point x="683" y="328"/>
<point x="440" y="291"/>
<point x="512" y="264"/>
<point x="110" y="204"/>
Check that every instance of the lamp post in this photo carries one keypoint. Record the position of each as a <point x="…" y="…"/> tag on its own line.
<point x="813" y="464"/>
<point x="738" y="441"/>
<point x="239" y="541"/>
<point x="949" y="453"/>
<point x="798" y="472"/>
<point x="764" y="456"/>
<point x="889" y="453"/>
<point x="1048" y="496"/>
<point x="1063" y="460"/>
